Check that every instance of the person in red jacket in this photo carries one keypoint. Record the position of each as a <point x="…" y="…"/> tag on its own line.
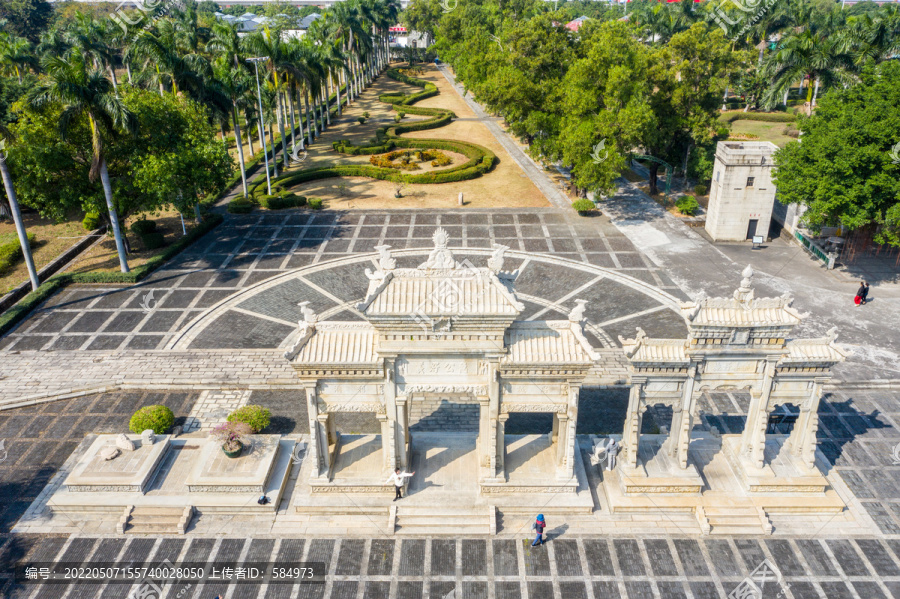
<point x="538" y="527"/>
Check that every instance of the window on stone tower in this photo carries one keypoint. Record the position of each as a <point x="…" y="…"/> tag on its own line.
<point x="749" y="181"/>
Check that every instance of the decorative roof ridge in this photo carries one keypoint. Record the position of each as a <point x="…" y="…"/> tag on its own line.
<point x="829" y="340"/>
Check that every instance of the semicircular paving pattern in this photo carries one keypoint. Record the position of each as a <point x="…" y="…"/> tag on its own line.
<point x="265" y="315"/>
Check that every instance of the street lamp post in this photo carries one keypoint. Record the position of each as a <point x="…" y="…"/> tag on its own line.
<point x="256" y="62"/>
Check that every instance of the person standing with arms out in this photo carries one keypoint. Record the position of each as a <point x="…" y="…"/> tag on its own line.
<point x="398" y="479"/>
<point x="538" y="527"/>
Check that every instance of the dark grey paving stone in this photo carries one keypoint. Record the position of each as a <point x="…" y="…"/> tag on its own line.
<point x="281" y="301"/>
<point x="344" y="589"/>
<point x="599" y="558"/>
<point x="539" y="588"/>
<point x="161" y="321"/>
<point x="660" y="558"/>
<point x="102" y="342"/>
<point x="211" y="297"/>
<point x="723" y="557"/>
<point x="638" y="589"/>
<point x="443" y="557"/>
<point x="537" y="561"/>
<point x="857" y="484"/>
<point x="804" y="590"/>
<point x="691" y="557"/>
<point x="606" y="589"/>
<point x="145" y="341"/>
<point x="568" y="560"/>
<point x="882" y="517"/>
<point x="89" y="322"/>
<point x="672" y="590"/>
<point x="474" y="590"/>
<point x="507" y="590"/>
<point x="573" y="590"/>
<point x="750" y="552"/>
<point x="701" y="589"/>
<point x="409" y="589"/>
<point x="848" y="558"/>
<point x="628" y="554"/>
<point x="52" y="322"/>
<point x="868" y="589"/>
<point x="442" y="588"/>
<point x="377" y="589"/>
<point x="785" y="557"/>
<point x="350" y="557"/>
<point x="321" y="550"/>
<point x="239" y="330"/>
<point x="474" y="558"/>
<point x="381" y="557"/>
<point x="836" y="590"/>
<point x="879" y="557"/>
<point x="124" y="322"/>
<point x="506" y="562"/>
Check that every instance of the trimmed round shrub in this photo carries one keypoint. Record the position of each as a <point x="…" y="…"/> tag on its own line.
<point x="701" y="190"/>
<point x="240" y="206"/>
<point x="153" y="241"/>
<point x="583" y="206"/>
<point x="687" y="205"/>
<point x="143" y="227"/>
<point x="361" y="120"/>
<point x="157" y="418"/>
<point x="256" y="417"/>
<point x="91" y="221"/>
<point x="315" y="203"/>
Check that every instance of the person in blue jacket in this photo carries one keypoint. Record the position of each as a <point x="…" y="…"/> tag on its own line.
<point x="538" y="527"/>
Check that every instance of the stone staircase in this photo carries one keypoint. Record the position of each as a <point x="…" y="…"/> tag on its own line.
<point x="146" y="520"/>
<point x="446" y="521"/>
<point x="734" y="520"/>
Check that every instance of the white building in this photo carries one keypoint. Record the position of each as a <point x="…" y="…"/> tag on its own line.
<point x="742" y="194"/>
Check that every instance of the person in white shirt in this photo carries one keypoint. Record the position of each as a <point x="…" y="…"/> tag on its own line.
<point x="398" y="479"/>
<point x="612" y="450"/>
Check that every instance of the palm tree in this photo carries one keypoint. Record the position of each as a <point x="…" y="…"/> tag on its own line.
<point x="268" y="43"/>
<point x="16" y="213"/>
<point x="807" y="55"/>
<point x="15" y="55"/>
<point x="86" y="92"/>
<point x="234" y="83"/>
<point x="875" y="38"/>
<point x="86" y="36"/>
<point x="225" y="41"/>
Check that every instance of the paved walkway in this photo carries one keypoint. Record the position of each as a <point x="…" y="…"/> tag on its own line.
<point x="528" y="166"/>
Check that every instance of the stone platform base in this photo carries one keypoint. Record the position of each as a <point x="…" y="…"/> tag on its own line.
<point x="782" y="474"/>
<point x="168" y="488"/>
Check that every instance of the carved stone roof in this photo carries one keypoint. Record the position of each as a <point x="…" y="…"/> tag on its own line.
<point x="440" y="287"/>
<point x="742" y="310"/>
<point x="340" y="343"/>
<point x="820" y="351"/>
<point x="645" y="350"/>
<point x="547" y="342"/>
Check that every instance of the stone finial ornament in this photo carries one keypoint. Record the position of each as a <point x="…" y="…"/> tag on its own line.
<point x="148" y="437"/>
<point x="744" y="293"/>
<point x="577" y="313"/>
<point x="440" y="257"/>
<point x="309" y="316"/>
<point x="124" y="443"/>
<point x="495" y="262"/>
<point x="306" y="327"/>
<point x="109" y="453"/>
<point x="385" y="262"/>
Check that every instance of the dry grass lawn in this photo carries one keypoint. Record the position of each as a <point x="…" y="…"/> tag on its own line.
<point x="51" y="239"/>
<point x="504" y="187"/>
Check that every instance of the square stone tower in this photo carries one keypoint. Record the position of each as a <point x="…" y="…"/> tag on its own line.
<point x="742" y="194"/>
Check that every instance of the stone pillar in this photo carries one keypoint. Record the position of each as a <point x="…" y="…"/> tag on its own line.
<point x="317" y="457"/>
<point x="487" y="438"/>
<point x="802" y="441"/>
<point x="567" y="433"/>
<point x="389" y="419"/>
<point x="501" y="446"/>
<point x="753" y="441"/>
<point x="554" y="434"/>
<point x="496" y="444"/>
<point x="561" y="441"/>
<point x="682" y="422"/>
<point x="632" y="434"/>
<point x="324" y="425"/>
<point x="402" y="432"/>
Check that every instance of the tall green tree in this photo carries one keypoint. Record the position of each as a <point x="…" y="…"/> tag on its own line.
<point x="847" y="170"/>
<point x="86" y="93"/>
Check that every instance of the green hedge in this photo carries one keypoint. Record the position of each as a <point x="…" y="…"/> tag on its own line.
<point x="240" y="205"/>
<point x="687" y="205"/>
<point x="256" y="417"/>
<point x="11" y="252"/>
<point x="769" y="117"/>
<point x="583" y="206"/>
<point x="157" y="418"/>
<point x="480" y="159"/>
<point x="153" y="241"/>
<point x="17" y="313"/>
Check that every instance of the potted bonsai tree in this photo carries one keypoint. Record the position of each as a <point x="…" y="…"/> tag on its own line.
<point x="232" y="436"/>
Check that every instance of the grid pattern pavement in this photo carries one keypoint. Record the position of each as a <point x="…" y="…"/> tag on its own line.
<point x="247" y="250"/>
<point x="566" y="567"/>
